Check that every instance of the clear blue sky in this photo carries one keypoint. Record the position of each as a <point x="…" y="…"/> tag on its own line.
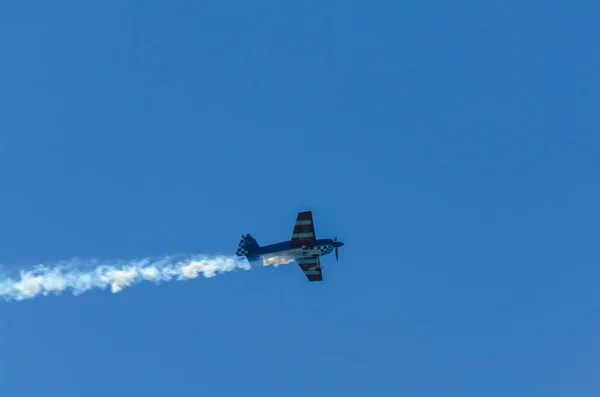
<point x="452" y="147"/>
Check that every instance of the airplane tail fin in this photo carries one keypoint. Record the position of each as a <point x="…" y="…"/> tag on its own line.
<point x="247" y="246"/>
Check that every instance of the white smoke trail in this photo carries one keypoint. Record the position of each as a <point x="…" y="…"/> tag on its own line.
<point x="277" y="260"/>
<point x="81" y="276"/>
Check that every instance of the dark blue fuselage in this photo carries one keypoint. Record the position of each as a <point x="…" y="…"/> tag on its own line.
<point x="287" y="246"/>
<point x="285" y="249"/>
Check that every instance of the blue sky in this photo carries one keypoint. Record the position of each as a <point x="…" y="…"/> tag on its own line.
<point x="452" y="147"/>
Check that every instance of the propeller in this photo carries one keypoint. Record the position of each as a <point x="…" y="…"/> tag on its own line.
<point x="336" y="249"/>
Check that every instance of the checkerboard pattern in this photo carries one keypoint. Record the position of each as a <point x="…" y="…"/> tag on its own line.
<point x="247" y="245"/>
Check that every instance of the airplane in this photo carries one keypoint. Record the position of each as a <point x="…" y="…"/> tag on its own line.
<point x="304" y="248"/>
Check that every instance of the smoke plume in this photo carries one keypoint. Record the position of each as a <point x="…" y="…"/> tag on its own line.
<point x="81" y="276"/>
<point x="277" y="260"/>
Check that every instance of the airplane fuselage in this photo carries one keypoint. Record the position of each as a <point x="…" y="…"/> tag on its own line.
<point x="303" y="248"/>
<point x="287" y="250"/>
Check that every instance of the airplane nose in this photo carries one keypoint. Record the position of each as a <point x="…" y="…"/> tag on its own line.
<point x="339" y="243"/>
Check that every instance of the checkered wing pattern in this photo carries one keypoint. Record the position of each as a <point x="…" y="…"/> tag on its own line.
<point x="304" y="229"/>
<point x="311" y="268"/>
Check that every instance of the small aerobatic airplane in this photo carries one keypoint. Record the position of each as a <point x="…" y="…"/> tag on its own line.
<point x="304" y="248"/>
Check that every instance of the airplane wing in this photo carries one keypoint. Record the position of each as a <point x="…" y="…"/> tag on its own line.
<point x="304" y="229"/>
<point x="311" y="266"/>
